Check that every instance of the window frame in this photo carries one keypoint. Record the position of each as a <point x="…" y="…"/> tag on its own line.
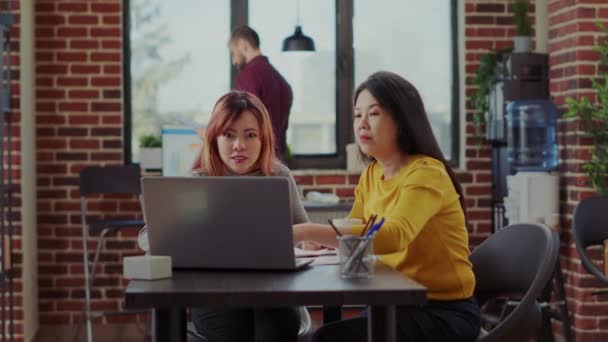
<point x="127" y="123"/>
<point x="344" y="60"/>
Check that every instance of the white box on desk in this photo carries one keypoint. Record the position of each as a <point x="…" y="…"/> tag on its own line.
<point x="147" y="267"/>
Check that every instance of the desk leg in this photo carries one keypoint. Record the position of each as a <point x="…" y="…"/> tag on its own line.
<point x="382" y="324"/>
<point x="169" y="324"/>
<point x="331" y="314"/>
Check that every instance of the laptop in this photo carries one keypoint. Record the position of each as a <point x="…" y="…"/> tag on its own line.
<point x="221" y="222"/>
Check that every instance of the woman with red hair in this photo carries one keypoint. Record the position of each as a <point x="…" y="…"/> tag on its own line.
<point x="239" y="142"/>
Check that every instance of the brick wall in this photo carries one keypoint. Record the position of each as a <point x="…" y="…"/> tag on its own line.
<point x="572" y="36"/>
<point x="79" y="116"/>
<point x="79" y="122"/>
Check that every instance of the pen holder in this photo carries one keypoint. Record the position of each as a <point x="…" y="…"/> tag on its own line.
<point x="356" y="256"/>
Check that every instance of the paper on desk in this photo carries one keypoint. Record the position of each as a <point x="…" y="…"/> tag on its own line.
<point x="326" y="260"/>
<point x="302" y="253"/>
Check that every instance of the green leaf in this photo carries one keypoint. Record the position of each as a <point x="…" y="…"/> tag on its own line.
<point x="150" y="140"/>
<point x="594" y="123"/>
<point x="520" y="16"/>
<point x="484" y="78"/>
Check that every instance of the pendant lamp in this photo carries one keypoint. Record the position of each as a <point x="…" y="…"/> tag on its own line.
<point x="298" y="41"/>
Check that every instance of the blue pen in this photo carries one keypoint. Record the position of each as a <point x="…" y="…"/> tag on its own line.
<point x="375" y="228"/>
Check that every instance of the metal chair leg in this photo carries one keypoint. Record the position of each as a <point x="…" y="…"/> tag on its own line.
<point x="555" y="284"/>
<point x="87" y="288"/>
<point x="102" y="236"/>
<point x="89" y="277"/>
<point x="563" y="305"/>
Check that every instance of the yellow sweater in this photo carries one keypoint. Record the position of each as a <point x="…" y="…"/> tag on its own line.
<point x="424" y="234"/>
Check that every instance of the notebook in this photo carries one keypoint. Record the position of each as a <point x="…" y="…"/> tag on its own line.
<point x="221" y="222"/>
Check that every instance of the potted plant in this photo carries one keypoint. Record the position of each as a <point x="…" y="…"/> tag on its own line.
<point x="594" y="123"/>
<point x="150" y="152"/>
<point x="522" y="40"/>
<point x="484" y="77"/>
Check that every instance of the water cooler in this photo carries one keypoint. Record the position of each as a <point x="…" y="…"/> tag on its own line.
<point x="521" y="128"/>
<point x="530" y="198"/>
<point x="521" y="125"/>
<point x="533" y="192"/>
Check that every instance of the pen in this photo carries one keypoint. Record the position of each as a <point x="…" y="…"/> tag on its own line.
<point x="334" y="227"/>
<point x="369" y="223"/>
<point x="375" y="228"/>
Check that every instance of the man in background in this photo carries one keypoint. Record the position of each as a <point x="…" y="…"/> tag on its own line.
<point x="259" y="77"/>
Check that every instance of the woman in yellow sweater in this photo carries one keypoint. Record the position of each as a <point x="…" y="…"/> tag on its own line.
<point x="410" y="184"/>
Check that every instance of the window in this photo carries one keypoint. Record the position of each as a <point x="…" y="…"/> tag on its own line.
<point x="413" y="40"/>
<point x="314" y="101"/>
<point x="179" y="64"/>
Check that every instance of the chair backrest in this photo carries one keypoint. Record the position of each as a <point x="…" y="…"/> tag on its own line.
<point x="116" y="179"/>
<point x="515" y="262"/>
<point x="590" y="228"/>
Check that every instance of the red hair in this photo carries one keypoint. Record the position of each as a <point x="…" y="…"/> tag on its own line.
<point x="227" y="110"/>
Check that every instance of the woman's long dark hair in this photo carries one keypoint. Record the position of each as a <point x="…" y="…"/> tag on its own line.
<point x="402" y="101"/>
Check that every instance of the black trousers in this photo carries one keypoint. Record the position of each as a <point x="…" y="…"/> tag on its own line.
<point x="454" y="321"/>
<point x="247" y="325"/>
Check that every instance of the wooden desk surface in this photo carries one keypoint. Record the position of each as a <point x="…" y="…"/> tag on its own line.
<point x="319" y="285"/>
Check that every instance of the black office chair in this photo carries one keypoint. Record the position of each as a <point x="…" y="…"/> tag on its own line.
<point x="515" y="262"/>
<point x="303" y="335"/>
<point x="193" y="335"/>
<point x="590" y="228"/>
<point x="97" y="180"/>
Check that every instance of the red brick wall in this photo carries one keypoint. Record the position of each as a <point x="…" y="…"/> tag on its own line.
<point x="572" y="36"/>
<point x="79" y="122"/>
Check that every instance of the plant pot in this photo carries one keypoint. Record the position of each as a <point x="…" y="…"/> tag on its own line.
<point x="151" y="158"/>
<point x="522" y="44"/>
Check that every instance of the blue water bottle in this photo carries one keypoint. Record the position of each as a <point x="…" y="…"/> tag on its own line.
<point x="531" y="126"/>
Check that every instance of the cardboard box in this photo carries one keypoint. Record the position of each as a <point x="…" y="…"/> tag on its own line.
<point x="147" y="267"/>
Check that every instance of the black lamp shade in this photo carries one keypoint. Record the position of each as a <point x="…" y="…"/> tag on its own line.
<point x="298" y="42"/>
